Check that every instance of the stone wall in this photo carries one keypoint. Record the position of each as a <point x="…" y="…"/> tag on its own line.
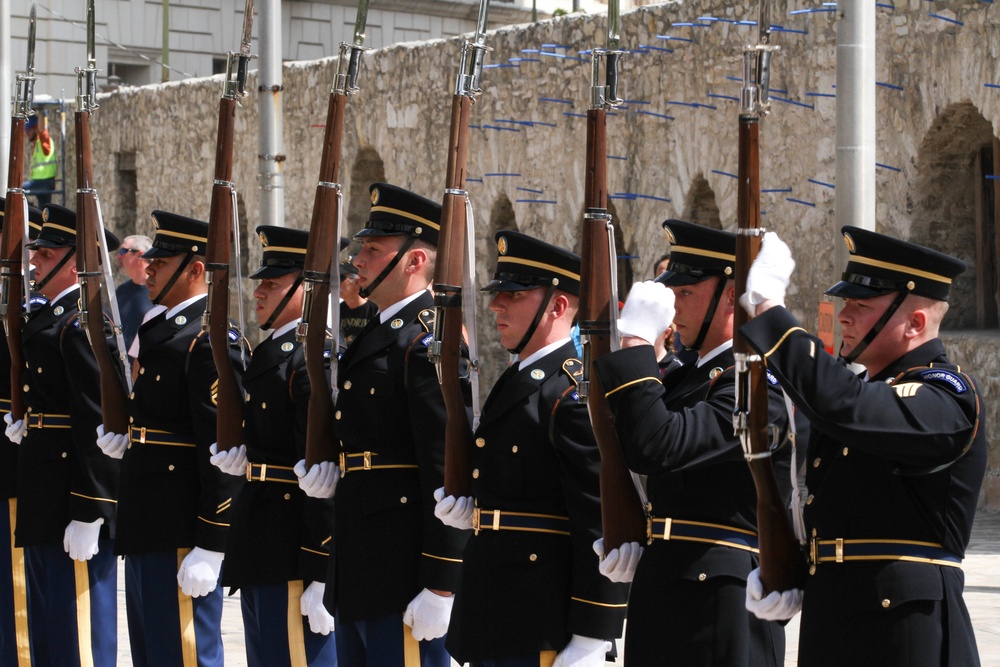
<point x="933" y="117"/>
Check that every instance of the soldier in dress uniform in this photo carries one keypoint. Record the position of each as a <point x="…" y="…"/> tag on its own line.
<point x="14" y="645"/>
<point x="279" y="539"/>
<point x="687" y="602"/>
<point x="175" y="507"/>
<point x="896" y="459"/>
<point x="530" y="586"/>
<point x="66" y="489"/>
<point x="393" y="562"/>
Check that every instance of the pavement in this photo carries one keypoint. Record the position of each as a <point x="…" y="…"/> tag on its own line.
<point x="982" y="595"/>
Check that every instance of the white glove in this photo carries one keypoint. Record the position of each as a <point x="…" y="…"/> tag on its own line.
<point x="112" y="444"/>
<point x="618" y="565"/>
<point x="320" y="481"/>
<point x="198" y="574"/>
<point x="14" y="430"/>
<point x="428" y="614"/>
<point x="454" y="512"/>
<point x="776" y="605"/>
<point x="311" y="605"/>
<point x="233" y="461"/>
<point x="583" y="652"/>
<point x="769" y="275"/>
<point x="648" y="311"/>
<point x="80" y="539"/>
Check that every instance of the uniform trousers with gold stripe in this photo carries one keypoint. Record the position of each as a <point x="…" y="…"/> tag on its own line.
<point x="14" y="645"/>
<point x="386" y="641"/>
<point x="72" y="607"/>
<point x="167" y="628"/>
<point x="276" y="632"/>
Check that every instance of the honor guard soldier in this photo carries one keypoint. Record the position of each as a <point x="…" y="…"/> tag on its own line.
<point x="896" y="458"/>
<point x="175" y="506"/>
<point x="66" y="489"/>
<point x="14" y="646"/>
<point x="279" y="539"/>
<point x="689" y="587"/>
<point x="530" y="586"/>
<point x="393" y="562"/>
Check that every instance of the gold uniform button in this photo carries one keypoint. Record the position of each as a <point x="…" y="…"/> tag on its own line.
<point x="263" y="406"/>
<point x="142" y="370"/>
<point x="702" y="577"/>
<point x="131" y="420"/>
<point x="25" y="387"/>
<point x="812" y="569"/>
<point x="814" y="532"/>
<point x="475" y="474"/>
<point x="132" y="396"/>
<point x="809" y="500"/>
<point x="336" y="415"/>
<point x="170" y="467"/>
<point x="372" y="392"/>
<point x="816" y="462"/>
<point x="480" y="442"/>
<point x="845" y="451"/>
<point x="403" y="500"/>
<point x="65" y="455"/>
<point x="248" y="396"/>
<point x="347" y="384"/>
<point x="39" y="369"/>
<point x="157" y="378"/>
<point x="514" y="449"/>
<point x="886" y="603"/>
<point x="288" y="496"/>
<point x="533" y="557"/>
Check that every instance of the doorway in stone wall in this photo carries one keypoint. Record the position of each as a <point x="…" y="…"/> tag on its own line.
<point x="952" y="209"/>
<point x="366" y="169"/>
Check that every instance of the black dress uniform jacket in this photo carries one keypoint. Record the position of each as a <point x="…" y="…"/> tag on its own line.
<point x="680" y="434"/>
<point x="278" y="534"/>
<point x="62" y="473"/>
<point x="172" y="497"/>
<point x="388" y="544"/>
<point x="879" y="470"/>
<point x="524" y="592"/>
<point x="8" y="450"/>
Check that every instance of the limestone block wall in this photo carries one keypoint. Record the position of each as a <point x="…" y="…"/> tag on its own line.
<point x="673" y="145"/>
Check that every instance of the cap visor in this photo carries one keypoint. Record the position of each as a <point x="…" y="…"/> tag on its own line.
<point x="272" y="272"/>
<point x="159" y="253"/>
<point x="370" y="231"/>
<point x="45" y="243"/>
<point x="506" y="286"/>
<point x="675" y="279"/>
<point x="847" y="290"/>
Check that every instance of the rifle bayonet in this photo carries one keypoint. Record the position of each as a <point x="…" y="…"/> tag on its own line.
<point x="606" y="60"/>
<point x="238" y="63"/>
<point x="25" y="83"/>
<point x="755" y="98"/>
<point x="470" y="70"/>
<point x="86" y="77"/>
<point x="349" y="63"/>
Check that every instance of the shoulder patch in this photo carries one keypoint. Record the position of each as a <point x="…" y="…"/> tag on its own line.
<point x="946" y="378"/>
<point x="773" y="381"/>
<point x="574" y="369"/>
<point x="426" y="319"/>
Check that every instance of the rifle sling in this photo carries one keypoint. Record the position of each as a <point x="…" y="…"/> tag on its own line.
<point x="550" y="290"/>
<point x="281" y="305"/>
<point x="170" y="283"/>
<point x="709" y="314"/>
<point x="876" y="328"/>
<point x="366" y="291"/>
<point x="55" y="270"/>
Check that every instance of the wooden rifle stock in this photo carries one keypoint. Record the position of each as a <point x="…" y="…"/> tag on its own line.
<point x="448" y="279"/>
<point x="321" y="444"/>
<point x="229" y="418"/>
<point x="781" y="565"/>
<point x="11" y="249"/>
<point x="89" y="238"/>
<point x="622" y="514"/>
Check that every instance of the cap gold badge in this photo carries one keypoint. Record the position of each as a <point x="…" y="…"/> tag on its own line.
<point x="374" y="196"/>
<point x="849" y="242"/>
<point x="263" y="239"/>
<point x="45" y="215"/>
<point x="502" y="245"/>
<point x="670" y="235"/>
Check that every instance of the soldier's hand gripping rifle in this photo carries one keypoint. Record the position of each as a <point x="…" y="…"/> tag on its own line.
<point x="92" y="261"/>
<point x="622" y="511"/>
<point x="321" y="293"/>
<point x="222" y="228"/>
<point x="15" y="236"/>
<point x="781" y="565"/>
<point x="453" y="271"/>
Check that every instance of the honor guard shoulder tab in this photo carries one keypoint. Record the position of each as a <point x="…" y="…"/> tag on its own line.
<point x="426" y="319"/>
<point x="943" y="375"/>
<point x="574" y="369"/>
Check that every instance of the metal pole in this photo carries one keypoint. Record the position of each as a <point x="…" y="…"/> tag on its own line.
<point x="6" y="67"/>
<point x="271" y="157"/>
<point x="534" y="11"/>
<point x="855" y="198"/>
<point x="165" y="54"/>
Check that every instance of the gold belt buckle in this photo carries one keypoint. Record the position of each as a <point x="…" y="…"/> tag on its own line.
<point x="142" y="435"/>
<point x="839" y="547"/>
<point x="668" y="525"/>
<point x="39" y="420"/>
<point x="476" y="512"/>
<point x="249" y="471"/>
<point x="343" y="464"/>
<point x="814" y="551"/>
<point x="368" y="461"/>
<point x="496" y="519"/>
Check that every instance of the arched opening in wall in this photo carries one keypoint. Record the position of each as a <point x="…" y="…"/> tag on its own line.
<point x="126" y="212"/>
<point x="368" y="168"/>
<point x="953" y="209"/>
<point x="493" y="358"/>
<point x="700" y="206"/>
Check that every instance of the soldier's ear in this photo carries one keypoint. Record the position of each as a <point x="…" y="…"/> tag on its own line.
<point x="197" y="269"/>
